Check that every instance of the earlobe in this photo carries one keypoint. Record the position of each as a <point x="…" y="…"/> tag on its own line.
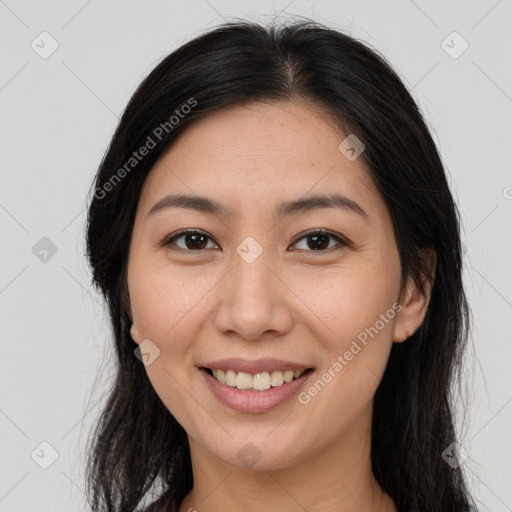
<point x="134" y="332"/>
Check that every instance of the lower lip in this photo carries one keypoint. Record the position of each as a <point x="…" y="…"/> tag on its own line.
<point x="255" y="401"/>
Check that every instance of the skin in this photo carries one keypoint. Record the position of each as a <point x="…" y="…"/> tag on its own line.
<point x="292" y="302"/>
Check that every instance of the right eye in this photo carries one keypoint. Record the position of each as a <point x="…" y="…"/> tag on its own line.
<point x="193" y="241"/>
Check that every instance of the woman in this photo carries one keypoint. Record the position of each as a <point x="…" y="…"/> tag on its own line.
<point x="274" y="235"/>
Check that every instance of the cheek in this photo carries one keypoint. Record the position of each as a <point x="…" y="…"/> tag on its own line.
<point x="165" y="300"/>
<point x="350" y="300"/>
<point x="354" y="316"/>
<point x="166" y="305"/>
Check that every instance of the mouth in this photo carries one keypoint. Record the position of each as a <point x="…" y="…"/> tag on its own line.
<point x="257" y="382"/>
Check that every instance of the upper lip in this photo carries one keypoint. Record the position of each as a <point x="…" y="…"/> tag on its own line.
<point x="254" y="366"/>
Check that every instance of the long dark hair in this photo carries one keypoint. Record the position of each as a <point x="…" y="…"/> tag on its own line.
<point x="138" y="446"/>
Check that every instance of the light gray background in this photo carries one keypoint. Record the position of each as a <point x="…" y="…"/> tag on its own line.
<point x="57" y="117"/>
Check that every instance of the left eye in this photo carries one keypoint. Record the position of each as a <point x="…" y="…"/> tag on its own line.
<point x="317" y="240"/>
<point x="195" y="241"/>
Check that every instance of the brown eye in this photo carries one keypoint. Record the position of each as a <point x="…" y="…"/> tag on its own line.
<point x="192" y="241"/>
<point x="319" y="241"/>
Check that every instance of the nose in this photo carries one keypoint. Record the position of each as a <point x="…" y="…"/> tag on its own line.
<point x="254" y="300"/>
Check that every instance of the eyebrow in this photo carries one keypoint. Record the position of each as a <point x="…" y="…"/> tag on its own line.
<point x="212" y="207"/>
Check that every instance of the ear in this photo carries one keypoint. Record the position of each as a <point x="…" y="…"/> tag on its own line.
<point x="134" y="332"/>
<point x="126" y="305"/>
<point x="414" y="301"/>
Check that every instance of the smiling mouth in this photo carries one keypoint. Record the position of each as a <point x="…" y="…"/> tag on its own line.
<point x="258" y="381"/>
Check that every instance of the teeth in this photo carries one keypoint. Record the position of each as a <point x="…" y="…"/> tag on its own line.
<point x="230" y="378"/>
<point x="261" y="381"/>
<point x="221" y="376"/>
<point x="244" y="380"/>
<point x="276" y="378"/>
<point x="288" y="375"/>
<point x="258" y="381"/>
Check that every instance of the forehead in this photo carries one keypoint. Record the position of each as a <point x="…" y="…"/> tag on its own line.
<point x="261" y="152"/>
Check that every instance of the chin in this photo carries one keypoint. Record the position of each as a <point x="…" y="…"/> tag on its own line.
<point x="260" y="454"/>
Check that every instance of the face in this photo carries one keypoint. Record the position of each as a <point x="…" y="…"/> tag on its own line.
<point x="272" y="288"/>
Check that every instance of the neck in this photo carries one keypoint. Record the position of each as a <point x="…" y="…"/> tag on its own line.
<point x="337" y="479"/>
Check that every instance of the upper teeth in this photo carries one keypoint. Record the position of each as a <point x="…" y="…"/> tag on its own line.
<point x="258" y="381"/>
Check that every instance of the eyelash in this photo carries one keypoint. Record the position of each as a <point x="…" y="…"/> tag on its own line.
<point x="168" y="241"/>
